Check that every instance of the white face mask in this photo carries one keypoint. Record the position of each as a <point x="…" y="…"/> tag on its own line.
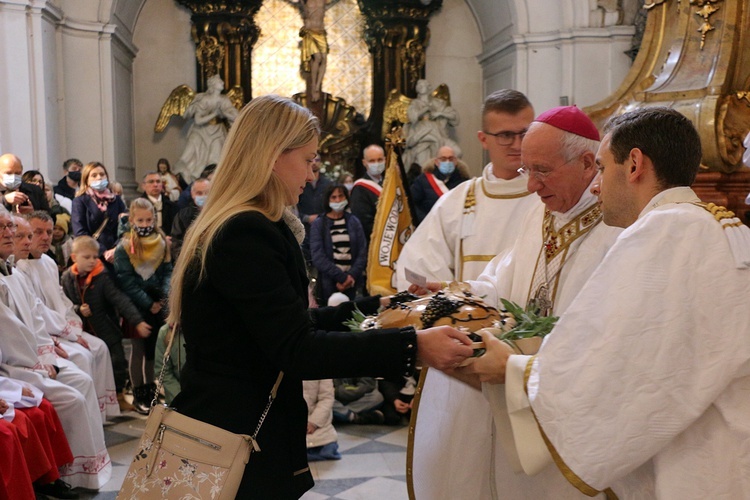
<point x="338" y="206"/>
<point x="349" y="186"/>
<point x="11" y="181"/>
<point x="376" y="168"/>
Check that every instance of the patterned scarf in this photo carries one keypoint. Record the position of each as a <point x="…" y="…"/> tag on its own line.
<point x="101" y="198"/>
<point x="153" y="251"/>
<point x="294" y="224"/>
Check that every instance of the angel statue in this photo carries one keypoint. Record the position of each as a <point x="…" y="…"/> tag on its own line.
<point x="211" y="112"/>
<point x="429" y="115"/>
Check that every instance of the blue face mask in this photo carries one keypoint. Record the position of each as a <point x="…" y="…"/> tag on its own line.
<point x="338" y="206"/>
<point x="11" y="181"/>
<point x="446" y="167"/>
<point x="201" y="200"/>
<point x="99" y="185"/>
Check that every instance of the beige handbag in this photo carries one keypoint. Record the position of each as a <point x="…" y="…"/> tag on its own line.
<point x="181" y="457"/>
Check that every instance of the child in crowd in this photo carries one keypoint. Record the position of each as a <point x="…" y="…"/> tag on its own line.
<point x="321" y="436"/>
<point x="97" y="300"/>
<point x="358" y="401"/>
<point x="176" y="360"/>
<point x="144" y="266"/>
<point x="62" y="243"/>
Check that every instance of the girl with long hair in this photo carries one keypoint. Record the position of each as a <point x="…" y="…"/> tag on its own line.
<point x="144" y="267"/>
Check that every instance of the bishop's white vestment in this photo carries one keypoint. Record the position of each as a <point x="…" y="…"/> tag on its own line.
<point x="474" y="457"/>
<point x="643" y="387"/>
<point x="465" y="229"/>
<point x="25" y="347"/>
<point x="63" y="322"/>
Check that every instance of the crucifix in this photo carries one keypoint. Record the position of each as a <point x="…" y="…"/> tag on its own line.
<point x="314" y="51"/>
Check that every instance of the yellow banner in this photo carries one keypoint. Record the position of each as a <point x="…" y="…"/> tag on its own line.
<point x="390" y="230"/>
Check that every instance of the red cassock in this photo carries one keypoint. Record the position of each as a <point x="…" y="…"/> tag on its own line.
<point x="15" y="482"/>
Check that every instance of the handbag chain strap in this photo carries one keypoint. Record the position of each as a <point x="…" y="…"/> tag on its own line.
<point x="160" y="382"/>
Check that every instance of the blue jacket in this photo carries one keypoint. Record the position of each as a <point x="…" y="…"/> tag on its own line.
<point x="86" y="219"/>
<point x="321" y="248"/>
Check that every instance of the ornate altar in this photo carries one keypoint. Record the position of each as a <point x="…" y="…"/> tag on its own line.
<point x="695" y="58"/>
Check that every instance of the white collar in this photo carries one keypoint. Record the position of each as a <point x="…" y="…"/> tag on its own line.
<point x="681" y="194"/>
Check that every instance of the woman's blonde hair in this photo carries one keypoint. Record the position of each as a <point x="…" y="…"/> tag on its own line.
<point x="244" y="180"/>
<point x="131" y="240"/>
<point x="85" y="176"/>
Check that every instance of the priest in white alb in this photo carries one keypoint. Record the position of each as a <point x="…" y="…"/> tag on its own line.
<point x="641" y="390"/>
<point x="560" y="244"/>
<point x="44" y="277"/>
<point x="29" y="356"/>
<point x="465" y="229"/>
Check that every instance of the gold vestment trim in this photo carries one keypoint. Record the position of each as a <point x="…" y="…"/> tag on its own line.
<point x="566" y="471"/>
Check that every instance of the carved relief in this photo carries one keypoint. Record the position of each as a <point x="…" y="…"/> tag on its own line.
<point x="210" y="55"/>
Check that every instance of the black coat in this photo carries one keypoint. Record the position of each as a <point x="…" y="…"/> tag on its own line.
<point x="169" y="211"/>
<point x="246" y="321"/>
<point x="364" y="204"/>
<point x="87" y="218"/>
<point x="36" y="195"/>
<point x="180" y="225"/>
<point x="424" y="196"/>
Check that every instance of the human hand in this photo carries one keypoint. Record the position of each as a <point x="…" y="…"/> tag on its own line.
<point x="85" y="310"/>
<point x="50" y="371"/>
<point x="311" y="427"/>
<point x="400" y="406"/>
<point x="443" y="347"/>
<point x="349" y="282"/>
<point x="25" y="391"/>
<point x="169" y="241"/>
<point x="340" y="287"/>
<point x="25" y="209"/>
<point x="83" y="342"/>
<point x="155" y="307"/>
<point x="430" y="287"/>
<point x="16" y="198"/>
<point x="61" y="352"/>
<point x="490" y="367"/>
<point x="109" y="255"/>
<point x="143" y="329"/>
<point x="3" y="406"/>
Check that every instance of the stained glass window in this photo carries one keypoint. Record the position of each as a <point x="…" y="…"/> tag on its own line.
<point x="276" y="55"/>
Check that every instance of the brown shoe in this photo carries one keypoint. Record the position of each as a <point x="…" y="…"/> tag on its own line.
<point x="124" y="405"/>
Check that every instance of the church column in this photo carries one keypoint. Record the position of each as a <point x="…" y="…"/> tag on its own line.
<point x="397" y="35"/>
<point x="224" y="33"/>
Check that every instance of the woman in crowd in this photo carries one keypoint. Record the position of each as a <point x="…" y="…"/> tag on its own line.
<point x="96" y="210"/>
<point x="144" y="267"/>
<point x="172" y="186"/>
<point x="56" y="204"/>
<point x="337" y="246"/>
<point x="242" y="303"/>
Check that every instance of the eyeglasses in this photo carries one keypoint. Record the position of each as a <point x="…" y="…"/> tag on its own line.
<point x="506" y="137"/>
<point x="540" y="175"/>
<point x="153" y="181"/>
<point x="9" y="225"/>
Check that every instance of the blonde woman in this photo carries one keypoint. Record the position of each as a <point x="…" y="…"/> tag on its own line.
<point x="239" y="291"/>
<point x="96" y="209"/>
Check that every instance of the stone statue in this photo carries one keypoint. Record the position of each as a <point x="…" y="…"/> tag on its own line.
<point x="212" y="113"/>
<point x="429" y="116"/>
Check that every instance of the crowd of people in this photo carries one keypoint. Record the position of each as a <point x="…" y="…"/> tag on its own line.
<point x="638" y="392"/>
<point x="79" y="273"/>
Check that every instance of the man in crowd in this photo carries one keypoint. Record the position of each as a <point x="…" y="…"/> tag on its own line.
<point x="641" y="388"/>
<point x="367" y="189"/>
<point x="166" y="210"/>
<point x="19" y="197"/>
<point x="444" y="173"/>
<point x="68" y="185"/>
<point x="199" y="190"/>
<point x="88" y="352"/>
<point x="311" y="203"/>
<point x="28" y="355"/>
<point x="560" y="244"/>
